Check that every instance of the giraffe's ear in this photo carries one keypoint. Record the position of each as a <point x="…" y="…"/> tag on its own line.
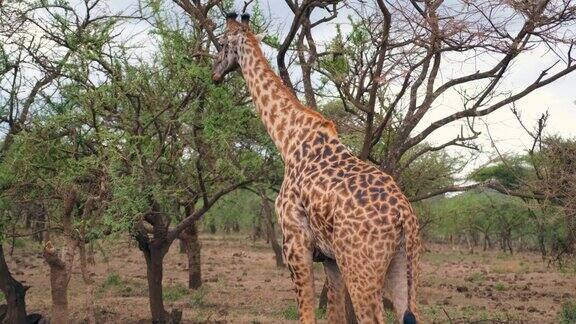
<point x="245" y="19"/>
<point x="231" y="16"/>
<point x="260" y="37"/>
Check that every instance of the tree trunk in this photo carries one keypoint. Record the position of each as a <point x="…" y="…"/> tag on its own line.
<point x="13" y="241"/>
<point x="154" y="250"/>
<point x="61" y="268"/>
<point x="192" y="245"/>
<point x="509" y="240"/>
<point x="267" y="211"/>
<point x="470" y="246"/>
<point x="542" y="240"/>
<point x="46" y="233"/>
<point x="257" y="227"/>
<point x="37" y="218"/>
<point x="88" y="278"/>
<point x="182" y="247"/>
<point x="60" y="272"/>
<point x="14" y="292"/>
<point x="154" y="271"/>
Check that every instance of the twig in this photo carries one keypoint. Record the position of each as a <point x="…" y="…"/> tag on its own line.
<point x="14" y="235"/>
<point x="246" y="4"/>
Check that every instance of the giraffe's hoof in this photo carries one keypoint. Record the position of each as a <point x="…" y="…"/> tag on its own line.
<point x="409" y="318"/>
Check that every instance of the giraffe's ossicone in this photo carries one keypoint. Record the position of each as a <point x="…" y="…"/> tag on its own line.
<point x="330" y="201"/>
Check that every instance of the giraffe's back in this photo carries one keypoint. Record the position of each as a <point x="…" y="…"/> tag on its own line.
<point x="349" y="203"/>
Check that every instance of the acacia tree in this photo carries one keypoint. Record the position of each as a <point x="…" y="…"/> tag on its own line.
<point x="556" y="172"/>
<point x="175" y="143"/>
<point x="51" y="164"/>
<point x="14" y="109"/>
<point x="53" y="158"/>
<point x="395" y="65"/>
<point x="28" y="68"/>
<point x="169" y="143"/>
<point x="544" y="179"/>
<point x="411" y="48"/>
<point x="270" y="231"/>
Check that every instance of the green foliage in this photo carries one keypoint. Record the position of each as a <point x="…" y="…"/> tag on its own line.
<point x="61" y="148"/>
<point x="175" y="293"/>
<point x="500" y="286"/>
<point x="487" y="211"/>
<point x="239" y="208"/>
<point x="487" y="218"/>
<point x="336" y="64"/>
<point x="2" y="297"/>
<point x="476" y="277"/>
<point x="429" y="172"/>
<point x="115" y="285"/>
<point x="186" y="125"/>
<point x="290" y="313"/>
<point x="19" y="243"/>
<point x="113" y="280"/>
<point x="360" y="35"/>
<point x="390" y="317"/>
<point x="509" y="174"/>
<point x="257" y="19"/>
<point x="568" y="312"/>
<point x="320" y="313"/>
<point x="557" y="171"/>
<point x="198" y="296"/>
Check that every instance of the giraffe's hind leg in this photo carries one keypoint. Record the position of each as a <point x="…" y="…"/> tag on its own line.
<point x="367" y="305"/>
<point x="364" y="279"/>
<point x="396" y="282"/>
<point x="340" y="308"/>
<point x="336" y="293"/>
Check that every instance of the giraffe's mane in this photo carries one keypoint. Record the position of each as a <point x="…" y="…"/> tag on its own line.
<point x="255" y="44"/>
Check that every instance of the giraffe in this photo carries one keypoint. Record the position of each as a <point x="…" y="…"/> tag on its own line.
<point x="330" y="202"/>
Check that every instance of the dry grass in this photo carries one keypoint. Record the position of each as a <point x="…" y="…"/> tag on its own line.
<point x="242" y="285"/>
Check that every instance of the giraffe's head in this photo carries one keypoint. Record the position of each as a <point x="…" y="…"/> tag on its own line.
<point x="226" y="60"/>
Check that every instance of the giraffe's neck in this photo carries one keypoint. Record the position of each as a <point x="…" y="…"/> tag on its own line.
<point x="287" y="121"/>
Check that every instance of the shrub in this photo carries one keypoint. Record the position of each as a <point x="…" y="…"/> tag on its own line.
<point x="197" y="297"/>
<point x="500" y="286"/>
<point x="568" y="312"/>
<point x="290" y="313"/>
<point x="113" y="280"/>
<point x="476" y="277"/>
<point x="174" y="293"/>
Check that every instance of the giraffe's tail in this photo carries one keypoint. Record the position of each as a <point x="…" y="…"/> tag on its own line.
<point x="411" y="231"/>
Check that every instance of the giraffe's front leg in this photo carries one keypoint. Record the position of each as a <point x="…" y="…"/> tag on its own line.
<point x="298" y="256"/>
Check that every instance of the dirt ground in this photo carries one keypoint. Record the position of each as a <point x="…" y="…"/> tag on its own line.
<point x="242" y="285"/>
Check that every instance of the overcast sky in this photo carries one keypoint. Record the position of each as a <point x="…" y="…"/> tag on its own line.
<point x="558" y="98"/>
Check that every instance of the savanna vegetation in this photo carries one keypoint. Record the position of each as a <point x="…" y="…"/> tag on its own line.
<point x="122" y="164"/>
